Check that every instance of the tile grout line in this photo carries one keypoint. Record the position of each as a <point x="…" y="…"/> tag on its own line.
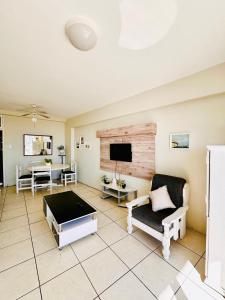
<point x="153" y="251"/>
<point x="114" y="221"/>
<point x="85" y="271"/>
<point x="3" y="203"/>
<point x="201" y="281"/>
<point x="107" y="246"/>
<point x="17" y="264"/>
<point x="20" y="297"/>
<point x="129" y="270"/>
<point x="25" y="214"/>
<point x="47" y="281"/>
<point x="34" y="253"/>
<point x="187" y="277"/>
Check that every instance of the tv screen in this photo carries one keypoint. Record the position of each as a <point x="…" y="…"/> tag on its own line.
<point x="121" y="152"/>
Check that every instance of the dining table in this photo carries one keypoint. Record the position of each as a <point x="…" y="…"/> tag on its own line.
<point x="54" y="167"/>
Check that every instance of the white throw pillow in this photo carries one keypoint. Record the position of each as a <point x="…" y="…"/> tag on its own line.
<point x="161" y="199"/>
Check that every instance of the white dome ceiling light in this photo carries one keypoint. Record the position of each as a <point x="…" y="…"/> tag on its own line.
<point x="145" y="22"/>
<point x="81" y="33"/>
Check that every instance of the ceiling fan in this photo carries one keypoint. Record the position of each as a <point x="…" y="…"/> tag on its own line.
<point x="34" y="111"/>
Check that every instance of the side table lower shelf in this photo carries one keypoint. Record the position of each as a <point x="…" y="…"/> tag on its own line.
<point x="117" y="192"/>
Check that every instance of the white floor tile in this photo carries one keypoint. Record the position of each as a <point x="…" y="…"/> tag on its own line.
<point x="39" y="228"/>
<point x="181" y="258"/>
<point x="198" y="273"/>
<point x="73" y="284"/>
<point x="104" y="269"/>
<point x="34" y="295"/>
<point x="10" y="237"/>
<point x="111" y="233"/>
<point x="18" y="280"/>
<point x="54" y="262"/>
<point x="189" y="290"/>
<point x="127" y="288"/>
<point x="116" y="213"/>
<point x="13" y="223"/>
<point x="14" y="205"/>
<point x="15" y="254"/>
<point x="122" y="223"/>
<point x="194" y="241"/>
<point x="34" y="206"/>
<point x="88" y="246"/>
<point x="146" y="239"/>
<point x="13" y="213"/>
<point x="197" y="276"/>
<point x="61" y="275"/>
<point x="162" y="279"/>
<point x="102" y="220"/>
<point x="13" y="197"/>
<point x="36" y="216"/>
<point x="44" y="242"/>
<point x="130" y="250"/>
<point x="102" y="205"/>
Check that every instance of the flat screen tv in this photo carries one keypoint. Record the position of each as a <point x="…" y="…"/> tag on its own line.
<point x="121" y="152"/>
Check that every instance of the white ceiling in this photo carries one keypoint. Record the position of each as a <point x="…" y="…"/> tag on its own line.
<point x="39" y="65"/>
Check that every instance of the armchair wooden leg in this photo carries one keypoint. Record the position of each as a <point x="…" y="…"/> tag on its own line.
<point x="129" y="222"/>
<point x="166" y="243"/>
<point x="176" y="230"/>
<point x="183" y="227"/>
<point x="32" y="186"/>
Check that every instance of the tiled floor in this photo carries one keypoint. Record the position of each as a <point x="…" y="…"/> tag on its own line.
<point x="110" y="265"/>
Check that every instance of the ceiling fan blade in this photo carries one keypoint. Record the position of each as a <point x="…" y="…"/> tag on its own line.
<point x="25" y="109"/>
<point x="24" y="115"/>
<point x="42" y="112"/>
<point x="47" y="117"/>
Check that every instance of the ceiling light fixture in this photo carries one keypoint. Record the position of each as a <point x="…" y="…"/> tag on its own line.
<point x="81" y="33"/>
<point x="145" y="22"/>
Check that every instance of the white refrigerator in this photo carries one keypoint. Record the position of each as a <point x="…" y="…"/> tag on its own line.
<point x="215" y="213"/>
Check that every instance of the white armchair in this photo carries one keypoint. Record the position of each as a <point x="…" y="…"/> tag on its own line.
<point x="164" y="224"/>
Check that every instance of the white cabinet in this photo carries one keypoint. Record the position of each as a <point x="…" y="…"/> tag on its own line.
<point x="215" y="212"/>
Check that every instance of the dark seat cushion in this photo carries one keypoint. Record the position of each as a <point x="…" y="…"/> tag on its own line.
<point x="68" y="172"/>
<point x="42" y="178"/>
<point x="26" y="176"/>
<point x="146" y="215"/>
<point x="174" y="185"/>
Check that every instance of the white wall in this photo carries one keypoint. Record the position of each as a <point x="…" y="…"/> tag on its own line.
<point x="199" y="85"/>
<point x="14" y="128"/>
<point x="203" y="118"/>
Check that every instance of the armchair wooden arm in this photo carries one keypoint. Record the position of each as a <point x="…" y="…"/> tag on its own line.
<point x="178" y="214"/>
<point x="137" y="201"/>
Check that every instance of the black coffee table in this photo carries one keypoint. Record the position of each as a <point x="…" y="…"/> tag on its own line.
<point x="69" y="217"/>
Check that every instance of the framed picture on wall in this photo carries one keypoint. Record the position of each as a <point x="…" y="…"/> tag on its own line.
<point x="180" y="140"/>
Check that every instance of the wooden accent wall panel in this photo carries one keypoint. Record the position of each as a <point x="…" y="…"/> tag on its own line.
<point x="142" y="139"/>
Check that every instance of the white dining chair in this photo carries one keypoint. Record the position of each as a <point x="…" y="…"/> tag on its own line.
<point x="41" y="177"/>
<point x="68" y="176"/>
<point x="23" y="179"/>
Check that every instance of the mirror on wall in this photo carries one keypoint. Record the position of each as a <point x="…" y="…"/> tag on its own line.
<point x="37" y="145"/>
